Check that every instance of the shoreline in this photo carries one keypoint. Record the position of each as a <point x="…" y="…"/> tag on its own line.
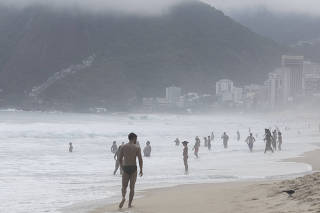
<point x="243" y="196"/>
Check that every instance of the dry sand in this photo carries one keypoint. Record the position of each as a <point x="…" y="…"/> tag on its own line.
<point x="253" y="197"/>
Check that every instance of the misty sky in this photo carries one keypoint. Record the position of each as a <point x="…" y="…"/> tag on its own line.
<point x="157" y="6"/>
<point x="311" y="7"/>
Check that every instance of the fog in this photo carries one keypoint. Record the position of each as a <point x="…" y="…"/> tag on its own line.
<point x="311" y="7"/>
<point x="124" y="6"/>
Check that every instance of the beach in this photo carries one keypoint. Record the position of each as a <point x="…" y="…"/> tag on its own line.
<point x="246" y="197"/>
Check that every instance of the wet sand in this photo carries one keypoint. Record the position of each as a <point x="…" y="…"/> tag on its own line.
<point x="243" y="197"/>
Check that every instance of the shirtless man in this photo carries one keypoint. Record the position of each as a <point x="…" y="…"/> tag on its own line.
<point x="127" y="158"/>
<point x="185" y="156"/>
<point x="250" y="141"/>
<point x="114" y="147"/>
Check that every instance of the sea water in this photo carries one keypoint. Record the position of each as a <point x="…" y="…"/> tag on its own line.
<point x="38" y="174"/>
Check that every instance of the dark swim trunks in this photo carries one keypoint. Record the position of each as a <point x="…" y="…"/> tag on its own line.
<point x="130" y="169"/>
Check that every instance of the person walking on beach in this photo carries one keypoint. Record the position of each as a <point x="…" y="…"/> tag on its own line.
<point x="238" y="136"/>
<point x="196" y="148"/>
<point x="268" y="139"/>
<point x="114" y="147"/>
<point x="147" y="149"/>
<point x="177" y="141"/>
<point x="209" y="143"/>
<point x="117" y="162"/>
<point x="279" y="141"/>
<point x="250" y="141"/>
<point x="70" y="147"/>
<point x="225" y="139"/>
<point x="274" y="140"/>
<point x="127" y="158"/>
<point x="185" y="155"/>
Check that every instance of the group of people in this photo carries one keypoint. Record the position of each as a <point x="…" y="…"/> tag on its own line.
<point x="273" y="140"/>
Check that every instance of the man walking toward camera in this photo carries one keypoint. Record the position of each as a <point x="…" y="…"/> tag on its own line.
<point x="127" y="159"/>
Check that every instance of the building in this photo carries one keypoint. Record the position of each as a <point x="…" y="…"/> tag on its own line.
<point x="237" y="94"/>
<point x="224" y="90"/>
<point x="224" y="86"/>
<point x="311" y="78"/>
<point x="275" y="87"/>
<point x="311" y="84"/>
<point x="173" y="94"/>
<point x="292" y="76"/>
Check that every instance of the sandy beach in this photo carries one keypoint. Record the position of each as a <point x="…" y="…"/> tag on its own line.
<point x="238" y="197"/>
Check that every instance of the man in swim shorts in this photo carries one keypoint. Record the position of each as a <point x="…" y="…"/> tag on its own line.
<point x="127" y="159"/>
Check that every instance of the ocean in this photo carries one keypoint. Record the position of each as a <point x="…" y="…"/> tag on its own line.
<point x="38" y="174"/>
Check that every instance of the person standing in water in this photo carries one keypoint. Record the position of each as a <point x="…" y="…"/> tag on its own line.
<point x="250" y="141"/>
<point x="127" y="158"/>
<point x="147" y="149"/>
<point x="274" y="140"/>
<point x="212" y="136"/>
<point x="177" y="141"/>
<point x="268" y="139"/>
<point x="185" y="155"/>
<point x="70" y="147"/>
<point x="225" y="139"/>
<point x="196" y="148"/>
<point x="238" y="136"/>
<point x="114" y="147"/>
<point x="116" y="158"/>
<point x="198" y="141"/>
<point x="209" y="143"/>
<point x="205" y="141"/>
<point x="279" y="140"/>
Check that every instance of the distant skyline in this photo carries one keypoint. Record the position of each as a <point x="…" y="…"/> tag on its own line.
<point x="150" y="7"/>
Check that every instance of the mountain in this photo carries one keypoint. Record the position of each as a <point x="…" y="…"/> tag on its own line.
<point x="44" y="53"/>
<point x="283" y="27"/>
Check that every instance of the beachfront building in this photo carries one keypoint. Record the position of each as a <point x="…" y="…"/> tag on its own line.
<point x="311" y="78"/>
<point x="292" y="76"/>
<point x="173" y="95"/>
<point x="224" y="90"/>
<point x="237" y="94"/>
<point x="275" y="90"/>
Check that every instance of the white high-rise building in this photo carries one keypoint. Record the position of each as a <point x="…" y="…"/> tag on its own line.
<point x="275" y="87"/>
<point x="293" y="75"/>
<point x="173" y="94"/>
<point x="311" y="78"/>
<point x="237" y="94"/>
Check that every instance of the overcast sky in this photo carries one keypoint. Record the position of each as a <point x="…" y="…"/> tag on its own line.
<point x="156" y="6"/>
<point x="311" y="7"/>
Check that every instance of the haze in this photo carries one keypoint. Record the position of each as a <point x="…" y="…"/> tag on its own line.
<point x="311" y="7"/>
